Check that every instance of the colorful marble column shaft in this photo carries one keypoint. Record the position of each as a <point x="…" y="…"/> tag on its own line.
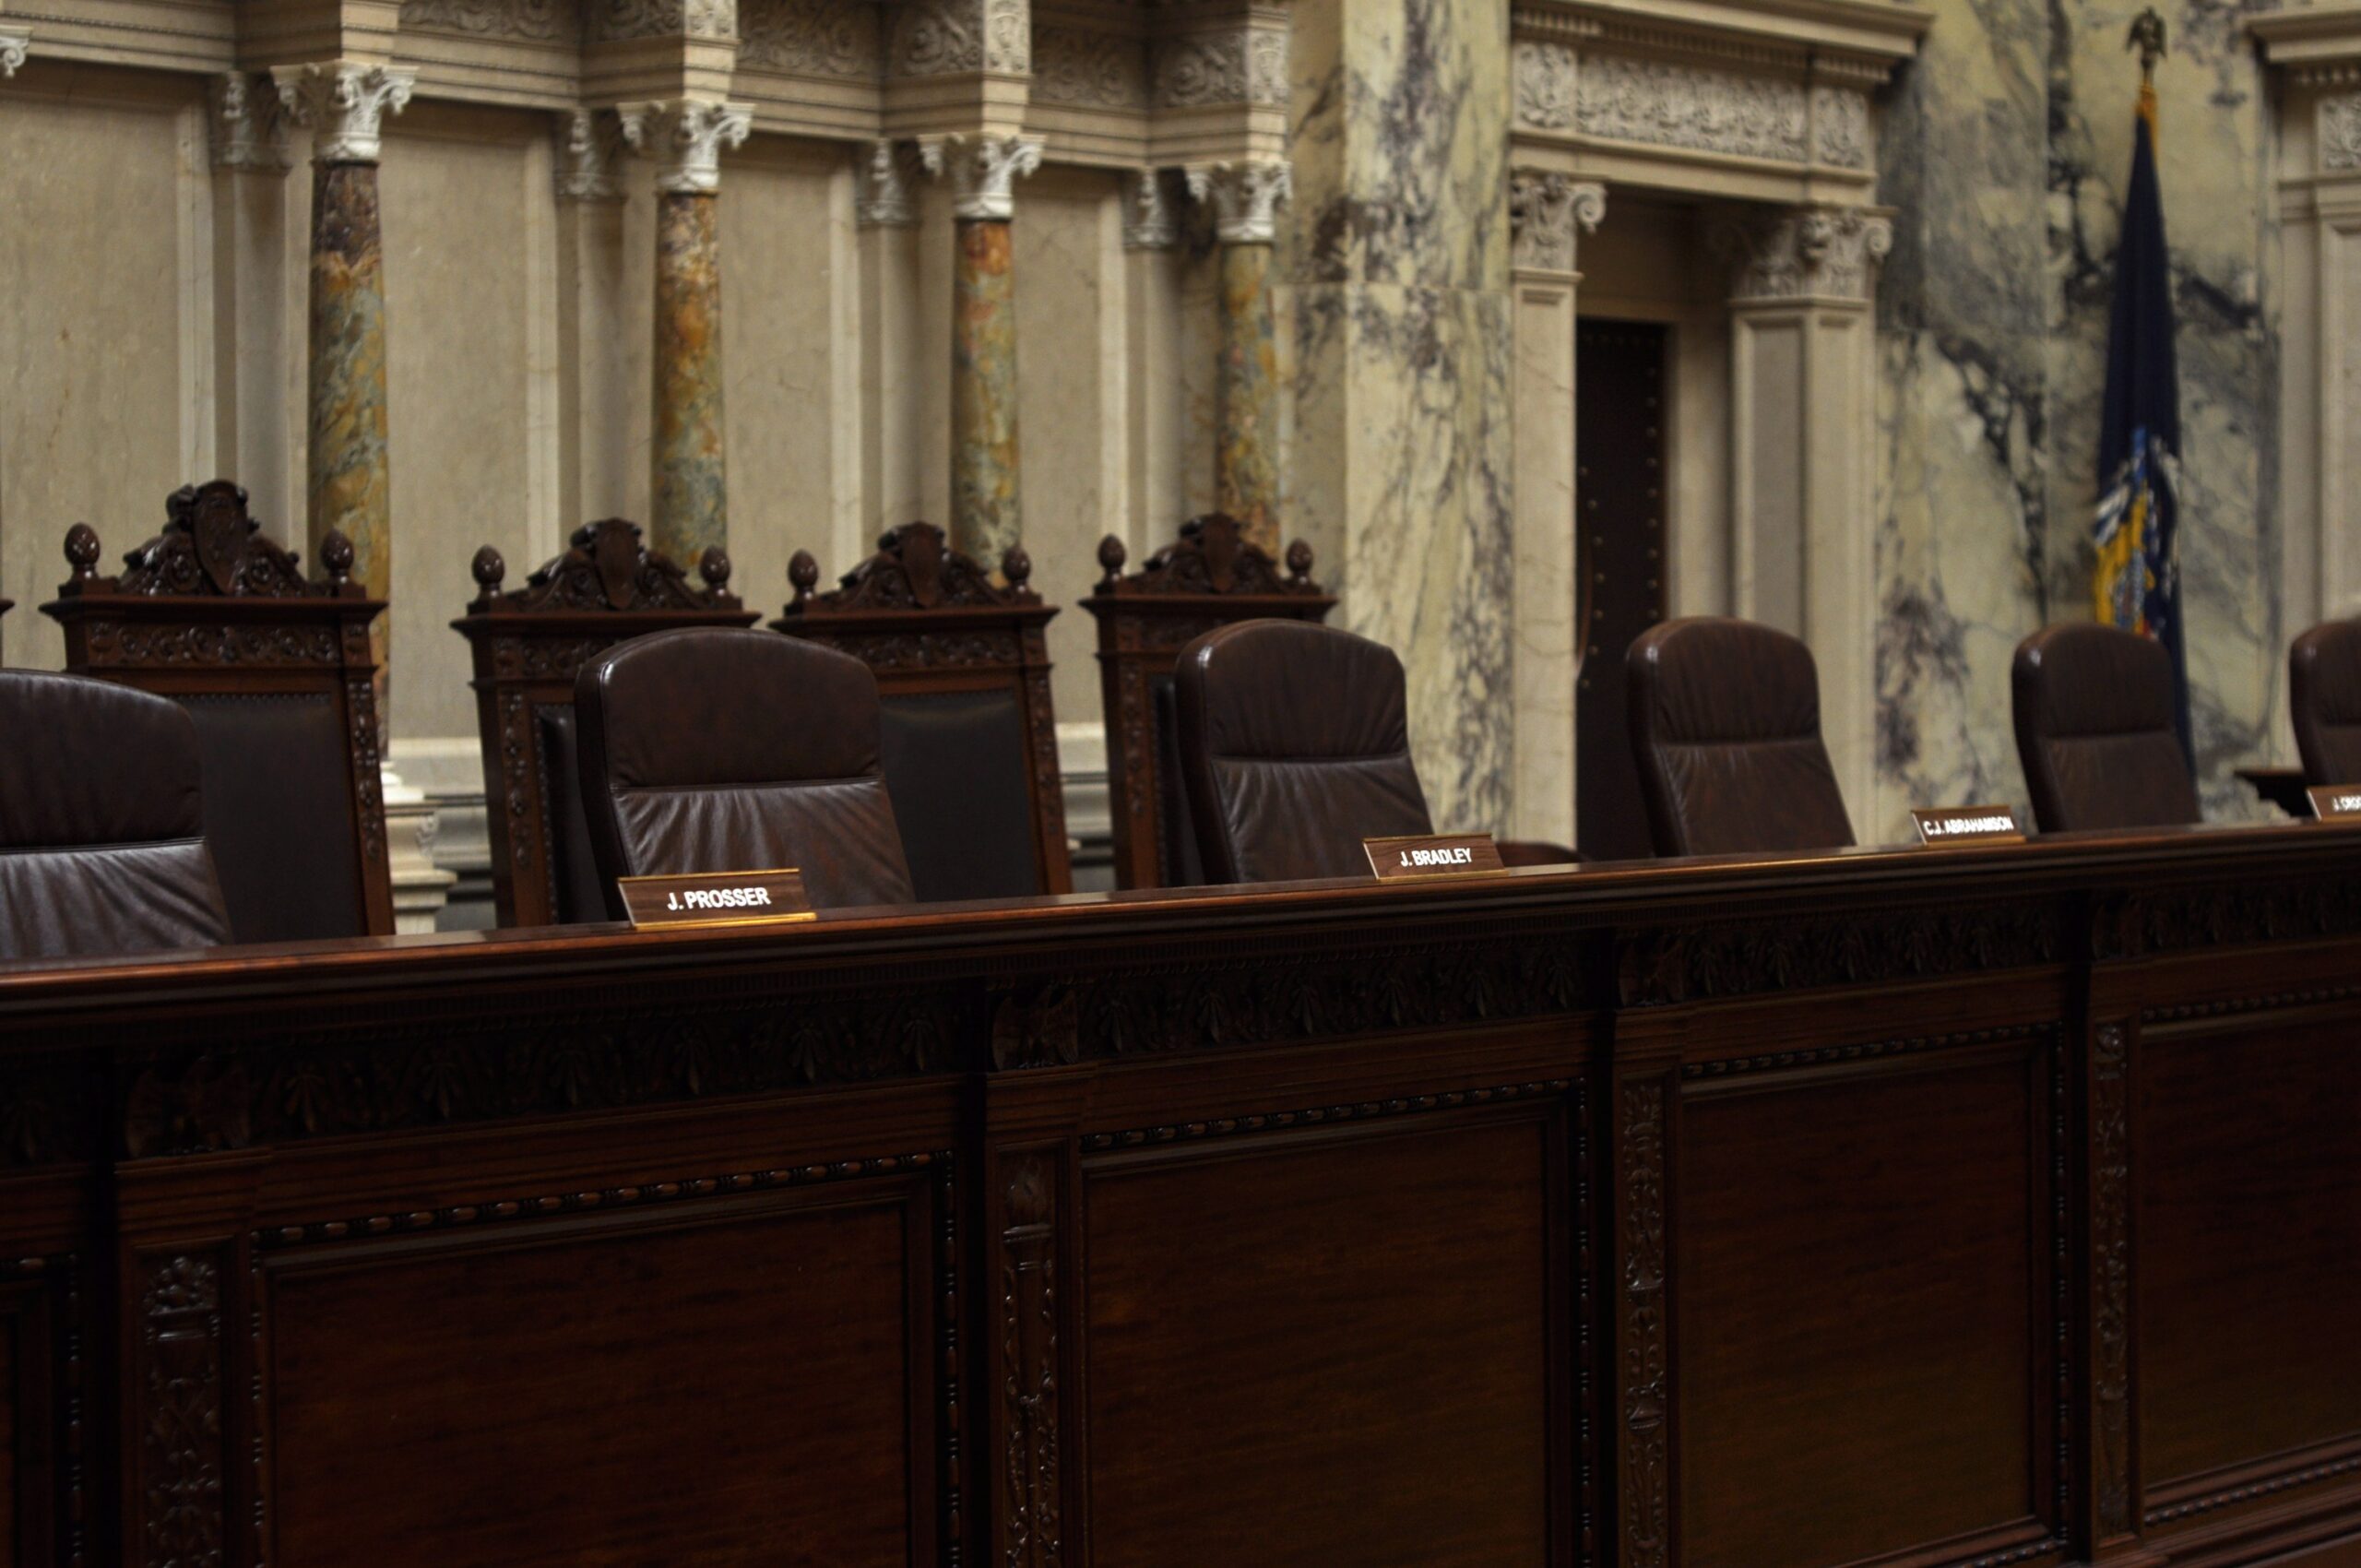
<point x="985" y="518"/>
<point x="1246" y="464"/>
<point x="690" y="492"/>
<point x="351" y="483"/>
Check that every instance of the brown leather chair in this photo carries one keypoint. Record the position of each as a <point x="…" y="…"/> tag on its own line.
<point x="1295" y="745"/>
<point x="2324" y="695"/>
<point x="1211" y="576"/>
<point x="530" y="644"/>
<point x="277" y="670"/>
<point x="710" y="750"/>
<point x="1726" y="730"/>
<point x="970" y="740"/>
<point x="102" y="822"/>
<point x="2095" y="731"/>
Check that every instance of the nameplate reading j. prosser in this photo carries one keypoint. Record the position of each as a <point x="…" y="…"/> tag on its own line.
<point x="1965" y="824"/>
<point x="716" y="897"/>
<point x="2337" y="803"/>
<point x="1432" y="854"/>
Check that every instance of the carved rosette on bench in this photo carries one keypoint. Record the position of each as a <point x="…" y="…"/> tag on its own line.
<point x="963" y="668"/>
<point x="216" y="615"/>
<point x="1209" y="576"/>
<point x="530" y="643"/>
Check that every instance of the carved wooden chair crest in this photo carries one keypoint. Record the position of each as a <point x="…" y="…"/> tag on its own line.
<point x="276" y="669"/>
<point x="970" y="740"/>
<point x="529" y="645"/>
<point x="1210" y="576"/>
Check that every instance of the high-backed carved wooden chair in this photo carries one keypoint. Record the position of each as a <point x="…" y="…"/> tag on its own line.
<point x="969" y="742"/>
<point x="530" y="644"/>
<point x="1209" y="576"/>
<point x="276" y="670"/>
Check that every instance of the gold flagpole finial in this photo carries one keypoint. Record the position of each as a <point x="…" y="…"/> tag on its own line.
<point x="2148" y="36"/>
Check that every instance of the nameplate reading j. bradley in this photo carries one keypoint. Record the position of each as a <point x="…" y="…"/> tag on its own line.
<point x="2337" y="803"/>
<point x="716" y="897"/>
<point x="1432" y="854"/>
<point x="1961" y="825"/>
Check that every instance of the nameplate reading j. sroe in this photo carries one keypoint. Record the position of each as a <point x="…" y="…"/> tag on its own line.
<point x="1967" y="825"/>
<point x="2337" y="803"/>
<point x="716" y="897"/>
<point x="1432" y="854"/>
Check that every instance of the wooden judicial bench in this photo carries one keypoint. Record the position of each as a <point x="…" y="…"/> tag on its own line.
<point x="1957" y="1207"/>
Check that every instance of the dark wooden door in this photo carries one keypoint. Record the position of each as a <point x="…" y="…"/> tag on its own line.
<point x="1618" y="494"/>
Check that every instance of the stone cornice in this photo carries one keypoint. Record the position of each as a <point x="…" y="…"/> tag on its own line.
<point x="2319" y="44"/>
<point x="1856" y="40"/>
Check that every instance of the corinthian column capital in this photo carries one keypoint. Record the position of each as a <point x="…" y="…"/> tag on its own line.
<point x="1808" y="253"/>
<point x="248" y="125"/>
<point x="687" y="136"/>
<point x="14" y="42"/>
<point x="344" y="104"/>
<point x="1246" y="198"/>
<point x="983" y="170"/>
<point x="1549" y="213"/>
<point x="882" y="199"/>
<point x="590" y="143"/>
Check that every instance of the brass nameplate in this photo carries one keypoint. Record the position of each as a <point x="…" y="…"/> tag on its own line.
<point x="716" y="897"/>
<point x="2336" y="802"/>
<point x="1432" y="854"/>
<point x="1967" y="825"/>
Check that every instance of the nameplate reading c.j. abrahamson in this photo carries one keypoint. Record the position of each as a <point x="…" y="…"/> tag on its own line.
<point x="1962" y="824"/>
<point x="716" y="897"/>
<point x="2337" y="803"/>
<point x="1432" y="854"/>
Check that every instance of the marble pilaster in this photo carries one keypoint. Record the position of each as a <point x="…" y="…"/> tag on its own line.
<point x="1246" y="198"/>
<point x="344" y="103"/>
<point x="986" y="504"/>
<point x="257" y="313"/>
<point x="688" y="490"/>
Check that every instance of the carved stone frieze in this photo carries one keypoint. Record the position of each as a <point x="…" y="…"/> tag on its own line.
<point x="1088" y="68"/>
<point x="810" y="38"/>
<point x="1548" y="211"/>
<point x="590" y="144"/>
<point x="248" y="125"/>
<point x="1246" y="198"/>
<point x="344" y="104"/>
<point x="2340" y="132"/>
<point x="14" y="43"/>
<point x="687" y="136"/>
<point x="535" y="21"/>
<point x="1840" y="118"/>
<point x="944" y="38"/>
<point x="983" y="172"/>
<point x="1246" y="65"/>
<point x="1809" y="252"/>
<point x="712" y="20"/>
<point x="1149" y="223"/>
<point x="1660" y="103"/>
<point x="882" y="189"/>
<point x="1544" y="75"/>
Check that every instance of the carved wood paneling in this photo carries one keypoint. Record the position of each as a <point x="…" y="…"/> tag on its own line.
<point x="179" y="1373"/>
<point x="1643" y="1379"/>
<point x="1695" y="963"/>
<point x="2110" y="1222"/>
<point x="1028" y="1529"/>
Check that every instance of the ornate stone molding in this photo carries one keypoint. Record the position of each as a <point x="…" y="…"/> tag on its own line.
<point x="1544" y="75"/>
<point x="1809" y="252"/>
<point x="882" y="195"/>
<point x="1658" y="103"/>
<point x="809" y="37"/>
<point x="344" y="104"/>
<point x="1548" y="212"/>
<point x="687" y="136"/>
<point x="715" y="20"/>
<point x="535" y="21"/>
<point x="1245" y="66"/>
<point x="1086" y="67"/>
<point x="1839" y="126"/>
<point x="1149" y="223"/>
<point x="983" y="172"/>
<point x="948" y="38"/>
<point x="590" y="144"/>
<point x="14" y="42"/>
<point x="2340" y="132"/>
<point x="1246" y="198"/>
<point x="248" y="125"/>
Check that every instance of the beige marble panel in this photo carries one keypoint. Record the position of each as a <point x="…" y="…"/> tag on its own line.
<point x="98" y="323"/>
<point x="468" y="397"/>
<point x="783" y="271"/>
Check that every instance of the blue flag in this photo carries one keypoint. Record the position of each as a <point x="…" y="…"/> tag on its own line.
<point x="2137" y="583"/>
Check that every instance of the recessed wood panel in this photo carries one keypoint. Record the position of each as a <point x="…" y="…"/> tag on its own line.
<point x="739" y="1391"/>
<point x="2247" y="1160"/>
<point x="1331" y="1351"/>
<point x="1859" y="1371"/>
<point x="11" y="1476"/>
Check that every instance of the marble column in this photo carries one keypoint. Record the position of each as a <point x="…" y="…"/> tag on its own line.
<point x="1246" y="198"/>
<point x="344" y="103"/>
<point x="689" y="495"/>
<point x="1803" y="421"/>
<point x="986" y="509"/>
<point x="1548" y="212"/>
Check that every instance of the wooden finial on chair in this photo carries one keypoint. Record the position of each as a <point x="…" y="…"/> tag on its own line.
<point x="1016" y="566"/>
<point x="335" y="554"/>
<point x="1299" y="561"/>
<point x="488" y="568"/>
<point x="1111" y="556"/>
<point x="714" y="567"/>
<point x="803" y="576"/>
<point x="82" y="551"/>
